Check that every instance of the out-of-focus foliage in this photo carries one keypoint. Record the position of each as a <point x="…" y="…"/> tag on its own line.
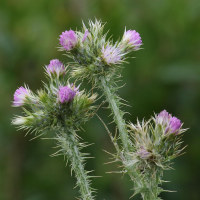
<point x="165" y="75"/>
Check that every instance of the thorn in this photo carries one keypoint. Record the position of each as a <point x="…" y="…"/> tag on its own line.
<point x="111" y="122"/>
<point x="133" y="195"/>
<point x="110" y="134"/>
<point x="117" y="172"/>
<point x="36" y="137"/>
<point x="168" y="191"/>
<point x="109" y="153"/>
<point x="110" y="162"/>
<point x="95" y="176"/>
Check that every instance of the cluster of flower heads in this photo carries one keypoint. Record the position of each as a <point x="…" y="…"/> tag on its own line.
<point x="60" y="102"/>
<point x="153" y="142"/>
<point x="65" y="94"/>
<point x="110" y="54"/>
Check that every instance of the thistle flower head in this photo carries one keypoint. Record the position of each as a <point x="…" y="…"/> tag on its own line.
<point x="163" y="118"/>
<point x="55" y="67"/>
<point x="132" y="38"/>
<point x="170" y="124"/>
<point x="111" y="55"/>
<point x="66" y="94"/>
<point x="20" y="96"/>
<point x="173" y="126"/>
<point x="68" y="40"/>
<point x="54" y="107"/>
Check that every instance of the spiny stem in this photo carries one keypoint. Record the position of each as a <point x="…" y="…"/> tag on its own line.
<point x="152" y="190"/>
<point x="117" y="115"/>
<point x="148" y="195"/>
<point x="70" y="147"/>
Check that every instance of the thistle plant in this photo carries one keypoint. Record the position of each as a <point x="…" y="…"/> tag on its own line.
<point x="61" y="107"/>
<point x="144" y="149"/>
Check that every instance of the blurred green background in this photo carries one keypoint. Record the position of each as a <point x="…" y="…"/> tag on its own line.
<point x="164" y="75"/>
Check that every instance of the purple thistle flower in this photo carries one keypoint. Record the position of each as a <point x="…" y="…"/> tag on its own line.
<point x="111" y="55"/>
<point x="171" y="124"/>
<point x="68" y="39"/>
<point x="66" y="94"/>
<point x="163" y="118"/>
<point x="133" y="38"/>
<point x="20" y="96"/>
<point x="143" y="153"/>
<point x="85" y="35"/>
<point x="55" y="67"/>
<point x="174" y="126"/>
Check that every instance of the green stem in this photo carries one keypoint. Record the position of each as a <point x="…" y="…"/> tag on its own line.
<point x="148" y="196"/>
<point x="71" y="149"/>
<point x="117" y="113"/>
<point x="151" y="190"/>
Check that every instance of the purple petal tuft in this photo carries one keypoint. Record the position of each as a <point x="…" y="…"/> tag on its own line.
<point x="66" y="94"/>
<point x="20" y="96"/>
<point x="68" y="39"/>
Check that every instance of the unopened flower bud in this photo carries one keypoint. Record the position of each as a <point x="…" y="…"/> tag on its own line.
<point x="22" y="120"/>
<point x="132" y="38"/>
<point x="143" y="153"/>
<point x="163" y="118"/>
<point x="19" y="121"/>
<point x="68" y="39"/>
<point x="174" y="126"/>
<point x="55" y="67"/>
<point x="20" y="96"/>
<point x="66" y="94"/>
<point x="111" y="55"/>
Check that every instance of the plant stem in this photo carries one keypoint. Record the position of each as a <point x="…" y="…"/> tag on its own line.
<point x="71" y="149"/>
<point x="152" y="190"/>
<point x="116" y="112"/>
